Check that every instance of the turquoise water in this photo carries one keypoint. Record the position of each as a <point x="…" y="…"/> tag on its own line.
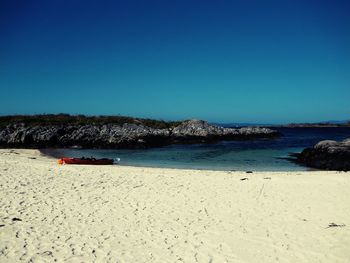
<point x="256" y="155"/>
<point x="197" y="158"/>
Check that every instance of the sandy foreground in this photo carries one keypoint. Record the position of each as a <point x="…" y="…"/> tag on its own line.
<point x="53" y="213"/>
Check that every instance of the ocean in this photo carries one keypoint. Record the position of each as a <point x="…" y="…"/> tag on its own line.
<point x="249" y="155"/>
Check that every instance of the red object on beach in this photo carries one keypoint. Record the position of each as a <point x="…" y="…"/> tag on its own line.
<point x="83" y="160"/>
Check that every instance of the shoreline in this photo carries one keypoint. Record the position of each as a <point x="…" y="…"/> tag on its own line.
<point x="139" y="214"/>
<point x="53" y="153"/>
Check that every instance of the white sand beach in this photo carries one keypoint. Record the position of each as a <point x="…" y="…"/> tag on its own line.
<point x="62" y="213"/>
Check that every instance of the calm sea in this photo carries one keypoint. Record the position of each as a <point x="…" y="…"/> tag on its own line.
<point x="254" y="155"/>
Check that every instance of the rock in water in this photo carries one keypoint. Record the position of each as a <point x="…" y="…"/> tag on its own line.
<point x="327" y="155"/>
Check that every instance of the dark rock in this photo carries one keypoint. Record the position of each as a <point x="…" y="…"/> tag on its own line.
<point x="128" y="135"/>
<point x="327" y="155"/>
<point x="16" y="219"/>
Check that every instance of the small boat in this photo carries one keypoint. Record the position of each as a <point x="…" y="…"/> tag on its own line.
<point x="83" y="160"/>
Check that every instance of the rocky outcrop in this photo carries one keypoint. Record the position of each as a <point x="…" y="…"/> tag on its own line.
<point x="198" y="130"/>
<point x="327" y="155"/>
<point x="121" y="136"/>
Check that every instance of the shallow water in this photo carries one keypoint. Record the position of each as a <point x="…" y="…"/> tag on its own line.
<point x="255" y="155"/>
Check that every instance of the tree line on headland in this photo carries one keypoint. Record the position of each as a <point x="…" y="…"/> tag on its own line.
<point x="67" y="119"/>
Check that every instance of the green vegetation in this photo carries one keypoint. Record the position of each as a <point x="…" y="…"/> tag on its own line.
<point x="66" y="119"/>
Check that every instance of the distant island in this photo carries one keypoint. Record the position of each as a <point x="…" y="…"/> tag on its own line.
<point x="345" y="123"/>
<point x="318" y="124"/>
<point x="64" y="130"/>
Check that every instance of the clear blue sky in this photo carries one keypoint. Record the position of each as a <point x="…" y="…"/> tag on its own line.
<point x="224" y="61"/>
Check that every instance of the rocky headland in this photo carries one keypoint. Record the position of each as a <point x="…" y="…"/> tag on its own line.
<point x="131" y="134"/>
<point x="327" y="155"/>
